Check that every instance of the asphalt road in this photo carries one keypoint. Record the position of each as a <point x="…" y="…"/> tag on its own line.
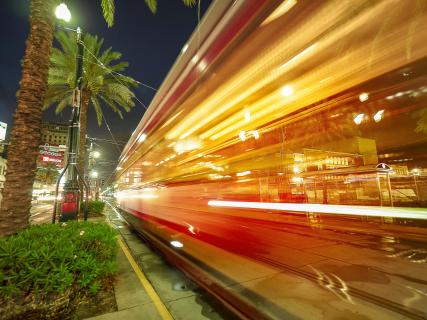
<point x="41" y="212"/>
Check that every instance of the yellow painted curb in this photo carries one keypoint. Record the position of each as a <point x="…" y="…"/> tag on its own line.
<point x="161" y="308"/>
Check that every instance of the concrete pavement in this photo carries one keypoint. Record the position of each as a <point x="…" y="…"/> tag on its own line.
<point x="160" y="292"/>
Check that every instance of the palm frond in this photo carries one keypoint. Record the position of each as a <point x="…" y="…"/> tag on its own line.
<point x="100" y="77"/>
<point x="108" y="9"/>
<point x="190" y="3"/>
<point x="63" y="103"/>
<point x="120" y="90"/>
<point x="152" y="5"/>
<point x="113" y="106"/>
<point x="119" y="66"/>
<point x="98" y="109"/>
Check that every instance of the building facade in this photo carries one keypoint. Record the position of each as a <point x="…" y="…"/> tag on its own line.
<point x="54" y="134"/>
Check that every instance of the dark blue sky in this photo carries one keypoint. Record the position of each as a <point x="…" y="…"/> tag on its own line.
<point x="150" y="43"/>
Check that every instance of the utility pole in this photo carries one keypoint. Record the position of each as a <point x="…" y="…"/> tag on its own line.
<point x="71" y="192"/>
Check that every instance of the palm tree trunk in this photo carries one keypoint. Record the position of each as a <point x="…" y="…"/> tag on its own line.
<point x="25" y="136"/>
<point x="83" y="130"/>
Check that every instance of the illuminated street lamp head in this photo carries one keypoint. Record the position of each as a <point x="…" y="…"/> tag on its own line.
<point x="62" y="12"/>
<point x="96" y="154"/>
<point x="94" y="174"/>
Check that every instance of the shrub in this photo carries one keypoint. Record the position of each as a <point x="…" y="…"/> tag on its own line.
<point x="94" y="207"/>
<point x="48" y="258"/>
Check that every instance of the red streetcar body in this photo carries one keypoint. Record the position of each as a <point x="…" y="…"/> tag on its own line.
<point x="284" y="166"/>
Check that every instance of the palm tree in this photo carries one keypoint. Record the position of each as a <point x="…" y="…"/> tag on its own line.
<point x="25" y="135"/>
<point x="101" y="81"/>
<point x="26" y="130"/>
<point x="47" y="174"/>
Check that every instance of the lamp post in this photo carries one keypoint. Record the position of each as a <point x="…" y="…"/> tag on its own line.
<point x="71" y="193"/>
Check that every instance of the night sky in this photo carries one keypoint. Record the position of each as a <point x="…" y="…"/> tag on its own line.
<point x="150" y="43"/>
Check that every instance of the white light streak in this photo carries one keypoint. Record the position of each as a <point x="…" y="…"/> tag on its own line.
<point x="142" y="138"/>
<point x="378" y="116"/>
<point x="287" y="91"/>
<point x="255" y="134"/>
<point x="176" y="244"/>
<point x="184" y="48"/>
<point x="358" y="118"/>
<point x="242" y="135"/>
<point x="370" y="211"/>
<point x="281" y="10"/>
<point x="244" y="173"/>
<point x="363" y="96"/>
<point x="247" y="116"/>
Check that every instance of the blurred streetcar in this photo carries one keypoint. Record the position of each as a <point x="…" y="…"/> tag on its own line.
<point x="282" y="164"/>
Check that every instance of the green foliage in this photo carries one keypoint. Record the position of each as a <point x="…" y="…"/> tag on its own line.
<point x="101" y="80"/>
<point x="95" y="206"/>
<point x="51" y="258"/>
<point x="108" y="9"/>
<point x="47" y="173"/>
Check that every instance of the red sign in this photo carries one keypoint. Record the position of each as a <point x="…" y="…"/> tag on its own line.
<point x="52" y="154"/>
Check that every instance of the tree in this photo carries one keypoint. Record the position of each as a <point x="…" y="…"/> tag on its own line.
<point x="47" y="174"/>
<point x="101" y="81"/>
<point x="26" y="130"/>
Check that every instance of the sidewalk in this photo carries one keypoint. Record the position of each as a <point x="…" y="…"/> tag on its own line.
<point x="148" y="288"/>
<point x="132" y="300"/>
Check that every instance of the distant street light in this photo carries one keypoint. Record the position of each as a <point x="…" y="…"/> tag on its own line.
<point x="63" y="13"/>
<point x="96" y="154"/>
<point x="94" y="174"/>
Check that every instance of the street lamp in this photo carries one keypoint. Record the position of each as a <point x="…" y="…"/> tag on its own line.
<point x="94" y="174"/>
<point x="96" y="154"/>
<point x="62" y="12"/>
<point x="71" y="193"/>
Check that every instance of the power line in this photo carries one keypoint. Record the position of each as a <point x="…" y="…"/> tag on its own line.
<point x="120" y="143"/>
<point x="102" y="65"/>
<point x="112" y="73"/>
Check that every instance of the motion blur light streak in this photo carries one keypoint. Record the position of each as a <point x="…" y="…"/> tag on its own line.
<point x="287" y="91"/>
<point x="408" y="213"/>
<point x="280" y="11"/>
<point x="244" y="173"/>
<point x="142" y="137"/>
<point x="303" y="144"/>
<point x="242" y="135"/>
<point x="176" y="244"/>
<point x="358" y="118"/>
<point x="363" y="97"/>
<point x="378" y="116"/>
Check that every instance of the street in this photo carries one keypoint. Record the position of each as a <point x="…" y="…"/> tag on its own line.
<point x="41" y="212"/>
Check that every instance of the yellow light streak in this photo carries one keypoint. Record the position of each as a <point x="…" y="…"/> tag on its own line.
<point x="280" y="11"/>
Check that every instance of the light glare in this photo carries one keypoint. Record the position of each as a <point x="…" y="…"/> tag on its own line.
<point x="378" y="116"/>
<point x="63" y="13"/>
<point x="287" y="91"/>
<point x="358" y="118"/>
<point x="242" y="135"/>
<point x="176" y="244"/>
<point x="142" y="138"/>
<point x="363" y="96"/>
